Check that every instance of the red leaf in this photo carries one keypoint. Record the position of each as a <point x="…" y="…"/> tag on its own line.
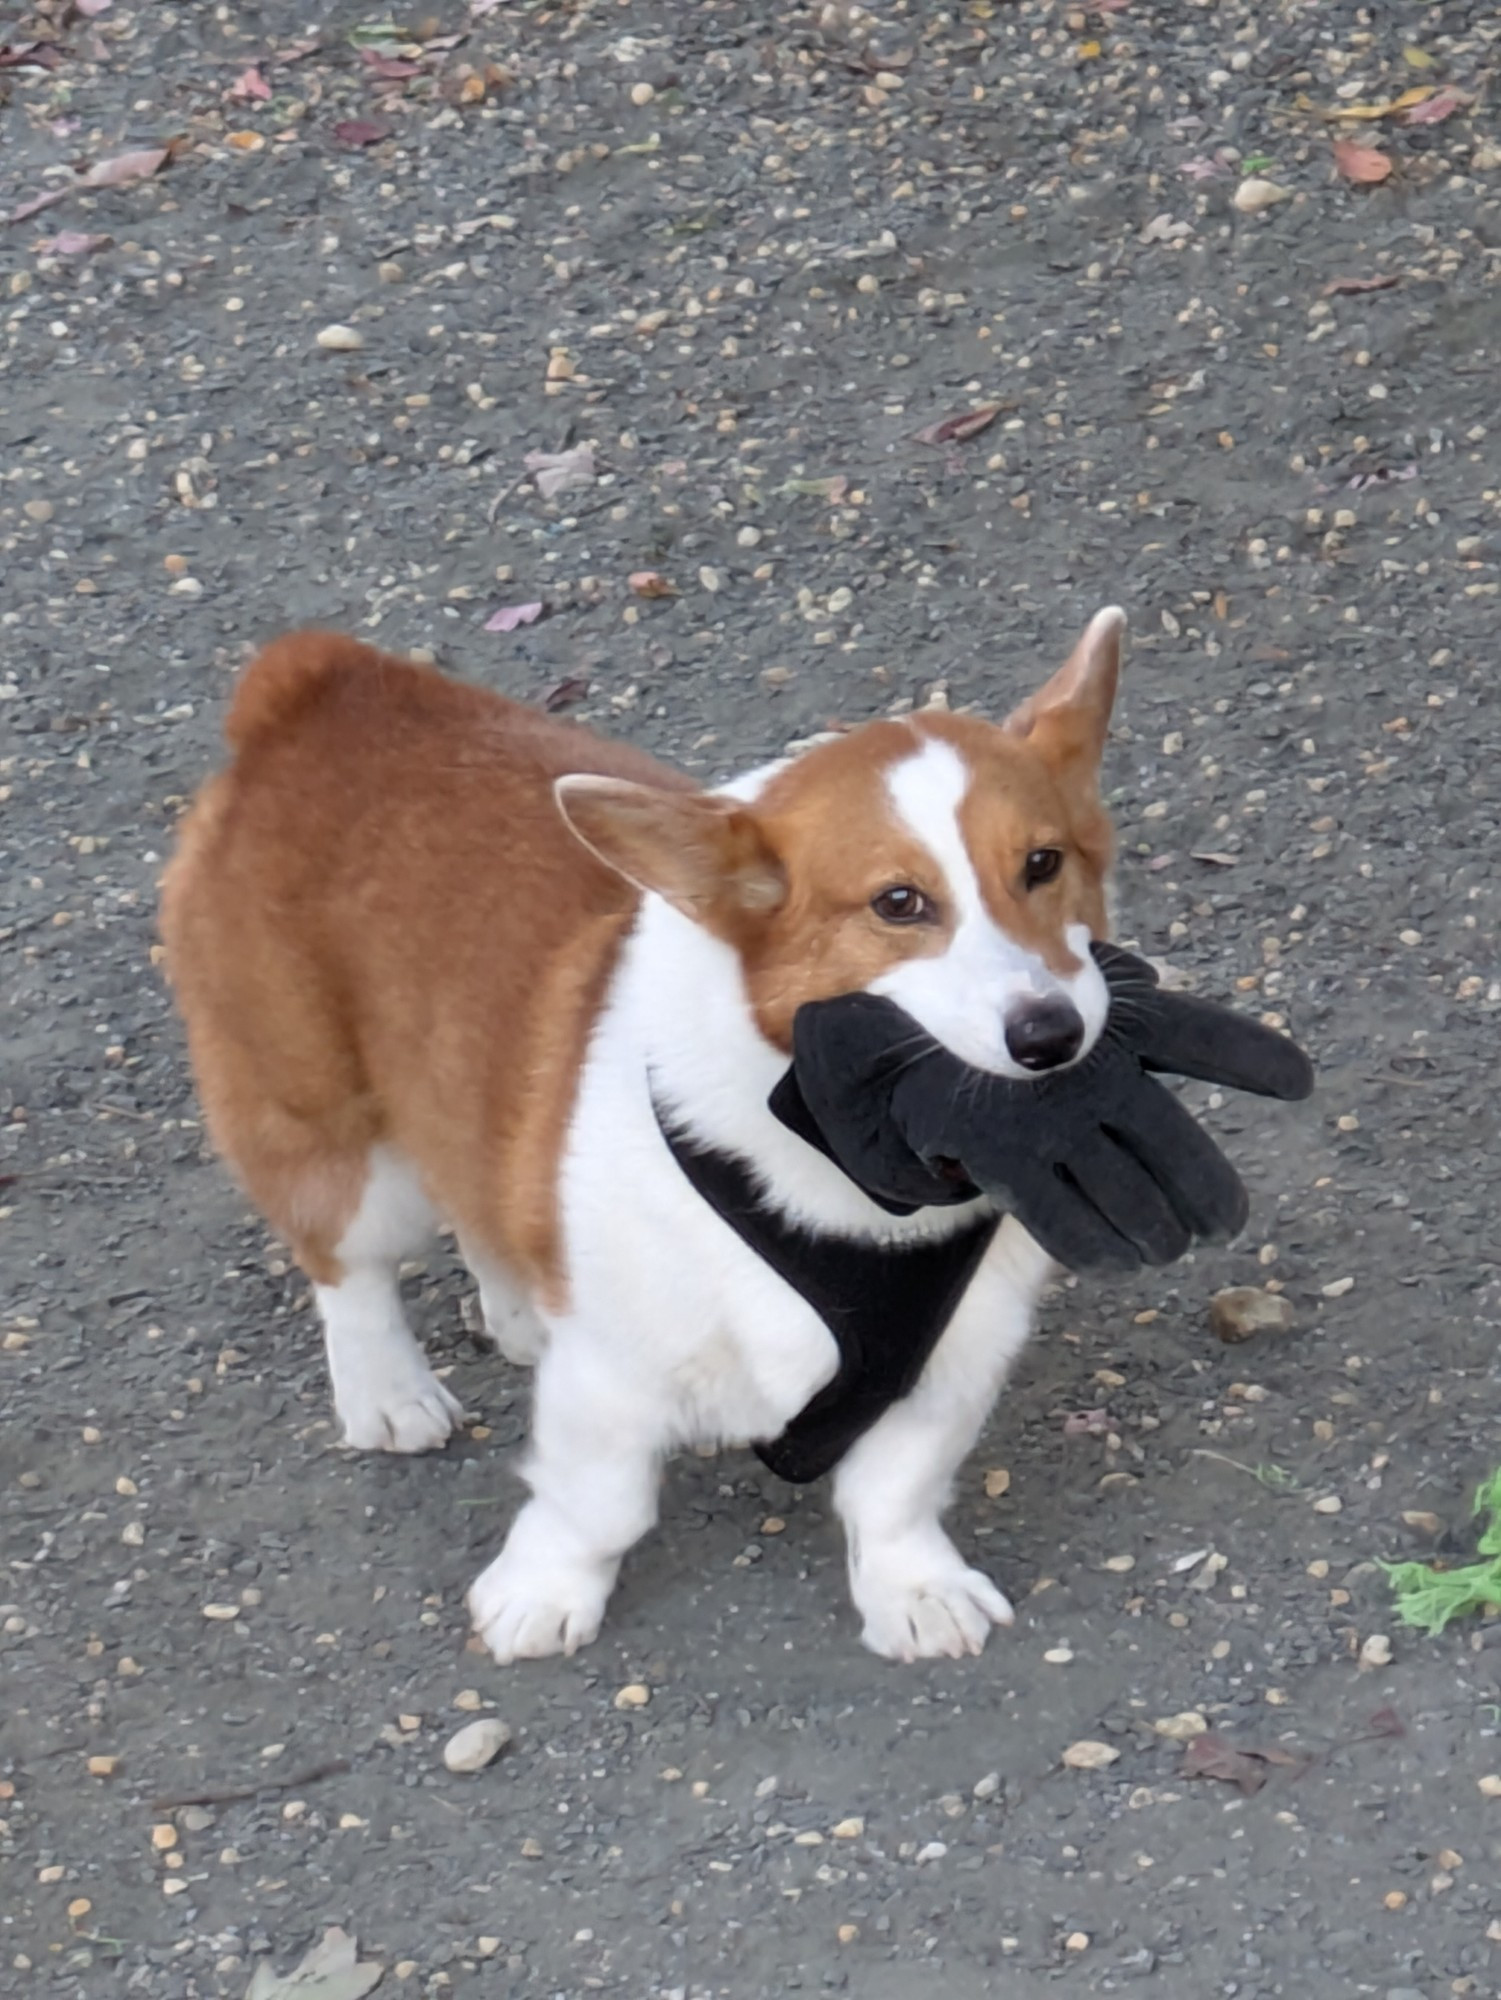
<point x="250" y="87"/>
<point x="963" y="425"/>
<point x="30" y="55"/>
<point x="125" y="167"/>
<point x="509" y="616"/>
<point x="565" y="694"/>
<point x="393" y="67"/>
<point x="360" y="132"/>
<point x="1433" y="110"/>
<point x="1338" y="287"/>
<point x="1362" y="164"/>
<point x="36" y="204"/>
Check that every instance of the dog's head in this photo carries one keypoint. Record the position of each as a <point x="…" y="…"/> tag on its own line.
<point x="955" y="865"/>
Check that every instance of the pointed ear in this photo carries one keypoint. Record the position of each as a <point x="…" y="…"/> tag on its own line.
<point x="707" y="856"/>
<point x="1067" y="719"/>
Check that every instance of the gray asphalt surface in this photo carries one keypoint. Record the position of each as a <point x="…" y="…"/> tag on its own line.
<point x="749" y="252"/>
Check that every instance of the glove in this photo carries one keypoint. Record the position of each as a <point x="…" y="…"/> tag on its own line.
<point x="1104" y="1166"/>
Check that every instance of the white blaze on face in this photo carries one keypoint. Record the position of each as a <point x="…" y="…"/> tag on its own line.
<point x="965" y="994"/>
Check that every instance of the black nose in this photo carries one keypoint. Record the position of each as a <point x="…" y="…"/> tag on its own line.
<point x="1045" y="1034"/>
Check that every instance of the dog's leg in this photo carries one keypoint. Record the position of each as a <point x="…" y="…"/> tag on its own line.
<point x="511" y="1326"/>
<point x="386" y="1396"/>
<point x="597" y="1442"/>
<point x="916" y="1594"/>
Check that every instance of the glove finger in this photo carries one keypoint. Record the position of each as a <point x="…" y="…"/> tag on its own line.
<point x="1199" y="1038"/>
<point x="1205" y="1191"/>
<point x="1060" y="1215"/>
<point x="1110" y="1176"/>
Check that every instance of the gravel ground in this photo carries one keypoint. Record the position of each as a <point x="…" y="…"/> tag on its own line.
<point x="747" y="252"/>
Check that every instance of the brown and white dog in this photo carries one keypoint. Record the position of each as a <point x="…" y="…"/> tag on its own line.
<point x="437" y="953"/>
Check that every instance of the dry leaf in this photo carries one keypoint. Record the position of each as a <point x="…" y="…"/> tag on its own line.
<point x="72" y="243"/>
<point x="1417" y="58"/>
<point x="650" y="583"/>
<point x="559" y="471"/>
<point x="1361" y="164"/>
<point x="1339" y="287"/>
<point x="35" y="204"/>
<point x="509" y="616"/>
<point x="125" y="167"/>
<point x="249" y="87"/>
<point x="1210" y="1756"/>
<point x="1368" y="112"/>
<point x="332" y="1970"/>
<point x="566" y="694"/>
<point x="964" y="425"/>
<point x="393" y="69"/>
<point x="30" y="55"/>
<point x="1434" y="110"/>
<point x="1213" y="856"/>
<point x="1090" y="1756"/>
<point x="360" y="132"/>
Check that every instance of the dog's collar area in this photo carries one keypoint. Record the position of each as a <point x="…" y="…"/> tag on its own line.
<point x="886" y="1304"/>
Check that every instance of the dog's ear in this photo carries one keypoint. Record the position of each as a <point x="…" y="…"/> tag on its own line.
<point x="1067" y="720"/>
<point x="707" y="856"/>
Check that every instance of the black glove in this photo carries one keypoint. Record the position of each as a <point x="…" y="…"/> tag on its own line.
<point x="1103" y="1165"/>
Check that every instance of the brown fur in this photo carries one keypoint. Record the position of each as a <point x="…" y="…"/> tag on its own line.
<point x="378" y="928"/>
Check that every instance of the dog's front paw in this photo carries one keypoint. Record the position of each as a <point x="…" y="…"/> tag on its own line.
<point x="409" y="1410"/>
<point x="925" y="1603"/>
<point x="524" y="1609"/>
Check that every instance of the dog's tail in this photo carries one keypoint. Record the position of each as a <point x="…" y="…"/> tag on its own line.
<point x="288" y="676"/>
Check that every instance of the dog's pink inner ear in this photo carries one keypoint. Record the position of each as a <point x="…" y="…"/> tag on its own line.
<point x="707" y="856"/>
<point x="1068" y="718"/>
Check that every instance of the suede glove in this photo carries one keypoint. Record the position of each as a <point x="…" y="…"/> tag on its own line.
<point x="1103" y="1165"/>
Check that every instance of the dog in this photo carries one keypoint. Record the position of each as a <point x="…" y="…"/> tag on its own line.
<point x="445" y="961"/>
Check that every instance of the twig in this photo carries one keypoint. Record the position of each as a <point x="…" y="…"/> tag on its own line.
<point x="233" y="1794"/>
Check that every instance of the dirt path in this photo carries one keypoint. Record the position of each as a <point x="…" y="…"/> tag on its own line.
<point x="747" y="258"/>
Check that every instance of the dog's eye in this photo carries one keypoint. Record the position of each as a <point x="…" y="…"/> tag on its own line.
<point x="1042" y="865"/>
<point x="901" y="904"/>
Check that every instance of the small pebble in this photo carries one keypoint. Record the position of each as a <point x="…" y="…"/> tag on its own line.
<point x="1255" y="194"/>
<point x="1182" y="1728"/>
<point x="1329" y="1503"/>
<point x="634" y="1695"/>
<point x="1058" y="1656"/>
<point x="1076" y="1941"/>
<point x="338" y="339"/>
<point x="1338" y="1288"/>
<point x="1245" y="1310"/>
<point x="848" y="1829"/>
<point x="1490" y="1787"/>
<point x="476" y="1744"/>
<point x="1376" y="1652"/>
<point x="642" y="93"/>
<point x="1086" y="1755"/>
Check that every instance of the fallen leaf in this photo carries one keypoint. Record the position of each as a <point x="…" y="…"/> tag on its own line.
<point x="509" y="616"/>
<point x="566" y="694"/>
<point x="1210" y="1756"/>
<point x="1368" y="112"/>
<point x="394" y="69"/>
<point x="30" y="55"/>
<point x="72" y="243"/>
<point x="1213" y="857"/>
<point x="832" y="490"/>
<point x="295" y="51"/>
<point x="375" y="35"/>
<point x="35" y="204"/>
<point x="1361" y="164"/>
<point x="560" y="471"/>
<point x="123" y="168"/>
<point x="1339" y="287"/>
<point x="1202" y="168"/>
<point x="1386" y="1722"/>
<point x="962" y="426"/>
<point x="1433" y="110"/>
<point x="332" y="1970"/>
<point x="245" y="142"/>
<point x="650" y="583"/>
<point x="360" y="132"/>
<point x="1417" y="58"/>
<point x="1086" y="1423"/>
<point x="249" y="87"/>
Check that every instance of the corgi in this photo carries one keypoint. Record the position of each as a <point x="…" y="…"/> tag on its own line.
<point x="447" y="962"/>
